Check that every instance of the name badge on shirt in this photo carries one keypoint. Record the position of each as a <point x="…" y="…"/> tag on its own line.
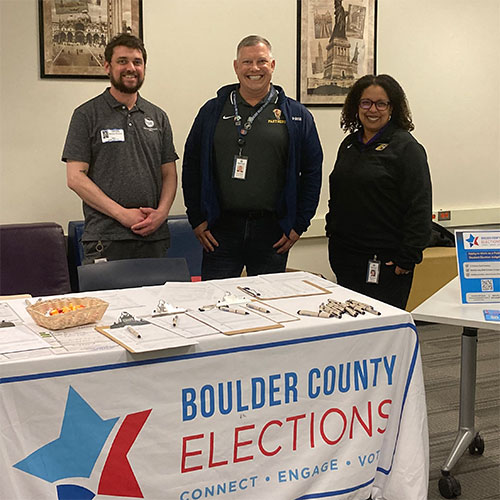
<point x="240" y="167"/>
<point x="373" y="271"/>
<point x="113" y="135"/>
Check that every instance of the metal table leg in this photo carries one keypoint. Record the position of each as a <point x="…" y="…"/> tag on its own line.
<point x="449" y="486"/>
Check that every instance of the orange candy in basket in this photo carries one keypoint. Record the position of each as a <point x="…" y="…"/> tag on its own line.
<point x="65" y="309"/>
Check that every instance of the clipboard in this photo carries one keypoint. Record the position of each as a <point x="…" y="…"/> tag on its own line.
<point x="211" y="318"/>
<point x="256" y="295"/>
<point x="152" y="338"/>
<point x="275" y="313"/>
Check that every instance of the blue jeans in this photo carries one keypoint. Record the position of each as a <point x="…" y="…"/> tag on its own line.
<point x="245" y="240"/>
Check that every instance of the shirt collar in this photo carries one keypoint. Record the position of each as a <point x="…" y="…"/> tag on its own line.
<point x="139" y="103"/>
<point x="242" y="101"/>
<point x="375" y="138"/>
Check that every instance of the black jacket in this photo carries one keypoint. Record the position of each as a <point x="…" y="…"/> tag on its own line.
<point x="380" y="197"/>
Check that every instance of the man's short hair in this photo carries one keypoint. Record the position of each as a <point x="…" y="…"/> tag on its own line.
<point x="251" y="41"/>
<point x="124" y="40"/>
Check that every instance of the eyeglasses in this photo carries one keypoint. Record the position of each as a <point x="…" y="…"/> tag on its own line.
<point x="368" y="103"/>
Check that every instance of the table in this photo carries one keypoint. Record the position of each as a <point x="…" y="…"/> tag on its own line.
<point x="445" y="307"/>
<point x="321" y="408"/>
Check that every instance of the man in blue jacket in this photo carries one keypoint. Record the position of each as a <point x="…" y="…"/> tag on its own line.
<point x="251" y="170"/>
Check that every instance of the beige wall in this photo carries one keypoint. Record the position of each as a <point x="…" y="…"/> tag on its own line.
<point x="444" y="53"/>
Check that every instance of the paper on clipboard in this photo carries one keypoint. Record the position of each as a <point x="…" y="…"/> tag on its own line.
<point x="152" y="338"/>
<point x="20" y="338"/>
<point x="7" y="313"/>
<point x="186" y="326"/>
<point x="229" y="323"/>
<point x="274" y="313"/>
<point x="281" y="287"/>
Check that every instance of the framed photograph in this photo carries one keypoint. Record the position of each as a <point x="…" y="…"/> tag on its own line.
<point x="335" y="47"/>
<point x="73" y="34"/>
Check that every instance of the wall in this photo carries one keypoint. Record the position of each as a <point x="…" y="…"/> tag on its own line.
<point x="443" y="52"/>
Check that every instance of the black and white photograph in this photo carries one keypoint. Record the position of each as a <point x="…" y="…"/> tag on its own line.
<point x="73" y="34"/>
<point x="336" y="46"/>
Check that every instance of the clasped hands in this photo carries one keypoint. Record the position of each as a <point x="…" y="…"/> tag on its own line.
<point x="142" y="221"/>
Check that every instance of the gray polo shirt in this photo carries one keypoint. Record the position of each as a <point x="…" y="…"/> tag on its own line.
<point x="125" y="150"/>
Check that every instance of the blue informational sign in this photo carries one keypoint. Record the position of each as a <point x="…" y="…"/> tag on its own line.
<point x="478" y="254"/>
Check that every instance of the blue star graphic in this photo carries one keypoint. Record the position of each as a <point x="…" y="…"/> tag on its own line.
<point x="75" y="452"/>
<point x="470" y="240"/>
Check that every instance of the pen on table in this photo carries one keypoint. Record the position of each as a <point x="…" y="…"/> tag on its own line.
<point x="315" y="314"/>
<point x="206" y="308"/>
<point x="232" y="310"/>
<point x="175" y="320"/>
<point x="133" y="331"/>
<point x="255" y="307"/>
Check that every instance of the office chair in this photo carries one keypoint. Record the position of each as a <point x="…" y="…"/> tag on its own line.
<point x="33" y="259"/>
<point x="75" y="250"/>
<point x="130" y="273"/>
<point x="183" y="243"/>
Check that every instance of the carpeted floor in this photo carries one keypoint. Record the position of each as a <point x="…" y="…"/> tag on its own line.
<point x="479" y="475"/>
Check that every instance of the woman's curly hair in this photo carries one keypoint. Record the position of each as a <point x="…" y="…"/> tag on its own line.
<point x="401" y="115"/>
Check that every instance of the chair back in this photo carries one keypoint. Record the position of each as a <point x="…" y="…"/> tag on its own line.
<point x="130" y="273"/>
<point x="33" y="259"/>
<point x="75" y="250"/>
<point x="183" y="243"/>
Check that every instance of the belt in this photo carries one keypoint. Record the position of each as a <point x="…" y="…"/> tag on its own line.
<point x="249" y="214"/>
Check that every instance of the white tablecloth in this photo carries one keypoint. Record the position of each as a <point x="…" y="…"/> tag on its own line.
<point x="322" y="408"/>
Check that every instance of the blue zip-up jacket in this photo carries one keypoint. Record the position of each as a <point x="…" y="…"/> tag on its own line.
<point x="297" y="203"/>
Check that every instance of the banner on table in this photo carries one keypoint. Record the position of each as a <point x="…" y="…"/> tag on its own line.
<point x="279" y="420"/>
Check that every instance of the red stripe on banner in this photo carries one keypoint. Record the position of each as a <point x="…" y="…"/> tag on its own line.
<point x="117" y="478"/>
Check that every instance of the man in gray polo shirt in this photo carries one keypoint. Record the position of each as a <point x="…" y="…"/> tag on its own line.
<point x="120" y="161"/>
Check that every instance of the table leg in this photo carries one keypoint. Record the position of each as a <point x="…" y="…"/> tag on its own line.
<point x="450" y="487"/>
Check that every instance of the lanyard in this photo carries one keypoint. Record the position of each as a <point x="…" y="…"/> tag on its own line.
<point x="243" y="131"/>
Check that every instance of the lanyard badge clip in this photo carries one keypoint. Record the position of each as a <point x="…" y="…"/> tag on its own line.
<point x="373" y="271"/>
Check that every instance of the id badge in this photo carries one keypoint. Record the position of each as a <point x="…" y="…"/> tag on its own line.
<point x="240" y="167"/>
<point x="373" y="271"/>
<point x="113" y="135"/>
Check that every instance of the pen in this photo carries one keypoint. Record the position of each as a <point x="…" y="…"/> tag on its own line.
<point x="232" y="310"/>
<point x="133" y="331"/>
<point x="255" y="307"/>
<point x="206" y="308"/>
<point x="175" y="320"/>
<point x="320" y="314"/>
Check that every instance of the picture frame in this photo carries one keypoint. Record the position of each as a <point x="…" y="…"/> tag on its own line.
<point x="74" y="33"/>
<point x="336" y="45"/>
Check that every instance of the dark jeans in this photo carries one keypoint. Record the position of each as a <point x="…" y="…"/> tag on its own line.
<point x="123" y="249"/>
<point x="244" y="241"/>
<point x="350" y="270"/>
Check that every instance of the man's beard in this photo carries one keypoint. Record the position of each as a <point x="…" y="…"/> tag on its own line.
<point x="119" y="85"/>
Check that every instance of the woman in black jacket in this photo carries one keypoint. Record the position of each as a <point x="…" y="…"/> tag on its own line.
<point x="380" y="206"/>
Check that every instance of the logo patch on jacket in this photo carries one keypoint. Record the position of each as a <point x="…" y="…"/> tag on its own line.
<point x="381" y="147"/>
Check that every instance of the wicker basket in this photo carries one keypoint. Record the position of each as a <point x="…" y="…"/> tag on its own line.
<point x="91" y="313"/>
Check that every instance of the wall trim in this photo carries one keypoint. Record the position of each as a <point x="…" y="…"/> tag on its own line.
<point x="458" y="217"/>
